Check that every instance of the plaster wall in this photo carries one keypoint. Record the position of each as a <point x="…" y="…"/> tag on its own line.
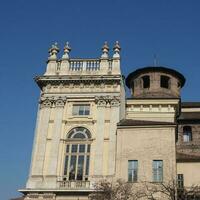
<point x="190" y="171"/>
<point x="145" y="144"/>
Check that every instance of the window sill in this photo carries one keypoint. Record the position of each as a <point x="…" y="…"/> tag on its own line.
<point x="80" y="117"/>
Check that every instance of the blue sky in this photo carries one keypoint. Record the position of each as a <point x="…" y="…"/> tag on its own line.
<point x="170" y="29"/>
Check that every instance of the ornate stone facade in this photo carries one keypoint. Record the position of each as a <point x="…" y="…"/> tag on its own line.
<point x="87" y="131"/>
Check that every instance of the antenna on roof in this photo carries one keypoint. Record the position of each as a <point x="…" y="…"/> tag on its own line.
<point x="155" y="60"/>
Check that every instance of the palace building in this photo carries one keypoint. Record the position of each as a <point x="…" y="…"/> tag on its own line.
<point x="87" y="130"/>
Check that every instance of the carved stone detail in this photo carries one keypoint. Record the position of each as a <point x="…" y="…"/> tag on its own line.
<point x="52" y="101"/>
<point x="36" y="196"/>
<point x="115" y="102"/>
<point x="46" y="103"/>
<point x="107" y="100"/>
<point x="60" y="103"/>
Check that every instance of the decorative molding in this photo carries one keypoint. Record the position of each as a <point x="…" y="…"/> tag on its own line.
<point x="52" y="101"/>
<point x="80" y="122"/>
<point x="108" y="100"/>
<point x="45" y="196"/>
<point x="45" y="82"/>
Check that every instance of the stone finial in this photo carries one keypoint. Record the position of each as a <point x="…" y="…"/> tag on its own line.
<point x="67" y="49"/>
<point x="53" y="51"/>
<point x="116" y="50"/>
<point x="105" y="50"/>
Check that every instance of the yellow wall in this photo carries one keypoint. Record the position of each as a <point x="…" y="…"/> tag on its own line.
<point x="190" y="171"/>
<point x="146" y="144"/>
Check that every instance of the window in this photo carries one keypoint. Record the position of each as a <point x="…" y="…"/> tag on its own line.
<point x="187" y="134"/>
<point x="180" y="181"/>
<point x="132" y="170"/>
<point x="164" y="82"/>
<point x="77" y="155"/>
<point x="157" y="171"/>
<point x="81" y="109"/>
<point x="146" y="81"/>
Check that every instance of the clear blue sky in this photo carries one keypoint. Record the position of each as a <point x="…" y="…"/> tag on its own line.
<point x="168" y="28"/>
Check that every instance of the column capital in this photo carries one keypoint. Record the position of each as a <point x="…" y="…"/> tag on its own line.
<point x="107" y="100"/>
<point x="52" y="101"/>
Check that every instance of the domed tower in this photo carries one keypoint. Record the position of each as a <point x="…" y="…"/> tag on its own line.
<point x="155" y="94"/>
<point x="155" y="82"/>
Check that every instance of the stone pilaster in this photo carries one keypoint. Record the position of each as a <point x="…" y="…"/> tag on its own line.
<point x="38" y="156"/>
<point x="114" y="119"/>
<point x="98" y="163"/>
<point x="55" y="141"/>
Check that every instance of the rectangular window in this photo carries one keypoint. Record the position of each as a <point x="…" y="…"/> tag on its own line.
<point x="157" y="170"/>
<point x="180" y="181"/>
<point x="81" y="109"/>
<point x="132" y="170"/>
<point x="187" y="134"/>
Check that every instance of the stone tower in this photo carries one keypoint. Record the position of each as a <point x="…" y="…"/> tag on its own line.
<point x="81" y="102"/>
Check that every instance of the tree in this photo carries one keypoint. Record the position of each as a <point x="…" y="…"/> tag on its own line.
<point x="121" y="190"/>
<point x="170" y="191"/>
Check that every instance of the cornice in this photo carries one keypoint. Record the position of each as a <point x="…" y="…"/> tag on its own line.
<point x="77" y="79"/>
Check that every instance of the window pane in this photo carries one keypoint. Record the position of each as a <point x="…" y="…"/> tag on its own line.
<point x="75" y="110"/>
<point x="82" y="109"/>
<point x="158" y="170"/>
<point x="72" y="168"/>
<point x="87" y="110"/>
<point x="187" y="134"/>
<point x="80" y="168"/>
<point x="180" y="181"/>
<point x="79" y="135"/>
<point x="82" y="148"/>
<point x="66" y="165"/>
<point x="130" y="175"/>
<point x="186" y="137"/>
<point x="74" y="148"/>
<point x="87" y="165"/>
<point x="132" y="170"/>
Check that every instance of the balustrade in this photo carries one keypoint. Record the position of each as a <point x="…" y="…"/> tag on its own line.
<point x="75" y="184"/>
<point x="84" y="65"/>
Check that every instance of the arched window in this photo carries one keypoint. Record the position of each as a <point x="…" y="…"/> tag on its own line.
<point x="164" y="82"/>
<point x="187" y="134"/>
<point x="77" y="154"/>
<point x="146" y="81"/>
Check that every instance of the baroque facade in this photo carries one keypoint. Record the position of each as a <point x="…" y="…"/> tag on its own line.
<point x="86" y="130"/>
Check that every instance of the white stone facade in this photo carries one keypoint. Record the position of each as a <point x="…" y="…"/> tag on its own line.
<point x="89" y="95"/>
